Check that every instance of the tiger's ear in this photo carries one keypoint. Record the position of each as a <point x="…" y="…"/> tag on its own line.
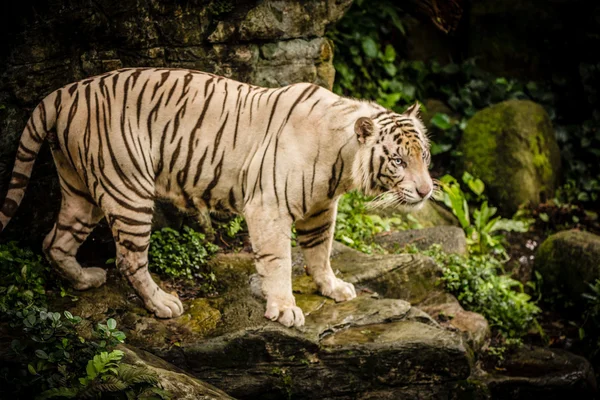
<point x="413" y="111"/>
<point x="363" y="127"/>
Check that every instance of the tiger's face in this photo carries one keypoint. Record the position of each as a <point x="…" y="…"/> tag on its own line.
<point x="393" y="159"/>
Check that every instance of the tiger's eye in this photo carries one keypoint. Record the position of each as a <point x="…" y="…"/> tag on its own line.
<point x="399" y="162"/>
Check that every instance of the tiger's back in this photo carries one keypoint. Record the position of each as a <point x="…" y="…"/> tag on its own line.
<point x="185" y="135"/>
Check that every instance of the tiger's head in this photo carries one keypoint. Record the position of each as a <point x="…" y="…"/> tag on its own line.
<point x="393" y="159"/>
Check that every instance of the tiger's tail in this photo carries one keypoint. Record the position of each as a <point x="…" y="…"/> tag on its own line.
<point x="42" y="120"/>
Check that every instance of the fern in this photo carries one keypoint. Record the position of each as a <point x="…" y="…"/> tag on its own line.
<point x="102" y="363"/>
<point x="111" y="384"/>
<point x="132" y="375"/>
<point x="63" y="392"/>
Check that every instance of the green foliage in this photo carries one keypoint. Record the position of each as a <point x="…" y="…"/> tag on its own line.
<point x="589" y="332"/>
<point x="22" y="277"/>
<point x="580" y="149"/>
<point x="182" y="254"/>
<point x="236" y="225"/>
<point x="483" y="229"/>
<point x="480" y="285"/>
<point x="369" y="65"/>
<point x="356" y="227"/>
<point x="365" y="59"/>
<point x="50" y="352"/>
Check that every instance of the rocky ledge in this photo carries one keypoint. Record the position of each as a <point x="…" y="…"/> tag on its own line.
<point x="376" y="343"/>
<point x="385" y="344"/>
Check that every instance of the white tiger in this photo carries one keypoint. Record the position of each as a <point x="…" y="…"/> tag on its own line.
<point x="278" y="156"/>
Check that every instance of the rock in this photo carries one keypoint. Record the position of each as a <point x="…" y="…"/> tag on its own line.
<point x="346" y="350"/>
<point x="413" y="278"/>
<point x="451" y="239"/>
<point x="432" y="214"/>
<point x="568" y="261"/>
<point x="180" y="384"/>
<point x="272" y="43"/>
<point x="445" y="308"/>
<point x="511" y="147"/>
<point x="534" y="373"/>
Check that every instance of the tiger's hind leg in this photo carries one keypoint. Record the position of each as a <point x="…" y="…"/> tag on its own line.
<point x="77" y="218"/>
<point x="132" y="237"/>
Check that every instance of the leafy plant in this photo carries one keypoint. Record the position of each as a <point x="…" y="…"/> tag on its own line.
<point x="50" y="353"/>
<point x="106" y="376"/>
<point x="483" y="228"/>
<point x="356" y="227"/>
<point x="181" y="254"/>
<point x="236" y="225"/>
<point x="22" y="277"/>
<point x="589" y="331"/>
<point x="480" y="285"/>
<point x="365" y="59"/>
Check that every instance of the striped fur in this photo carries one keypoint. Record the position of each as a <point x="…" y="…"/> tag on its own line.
<point x="278" y="156"/>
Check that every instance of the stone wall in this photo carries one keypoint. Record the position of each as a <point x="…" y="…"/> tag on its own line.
<point x="51" y="43"/>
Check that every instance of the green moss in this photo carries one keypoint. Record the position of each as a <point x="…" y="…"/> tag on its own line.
<point x="511" y="147"/>
<point x="201" y="318"/>
<point x="568" y="261"/>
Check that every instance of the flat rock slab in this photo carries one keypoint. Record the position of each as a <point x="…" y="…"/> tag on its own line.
<point x="538" y="373"/>
<point x="451" y="239"/>
<point x="410" y="277"/>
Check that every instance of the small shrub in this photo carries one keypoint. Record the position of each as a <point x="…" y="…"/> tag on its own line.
<point x="22" y="277"/>
<point x="50" y="354"/>
<point x="480" y="285"/>
<point x="181" y="254"/>
<point x="481" y="227"/>
<point x="356" y="227"/>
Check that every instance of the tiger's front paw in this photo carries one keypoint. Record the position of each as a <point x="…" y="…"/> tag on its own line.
<point x="338" y="290"/>
<point x="286" y="314"/>
<point x="164" y="305"/>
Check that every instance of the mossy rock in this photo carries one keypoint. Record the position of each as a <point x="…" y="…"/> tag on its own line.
<point x="568" y="261"/>
<point x="452" y="239"/>
<point x="511" y="147"/>
<point x="430" y="215"/>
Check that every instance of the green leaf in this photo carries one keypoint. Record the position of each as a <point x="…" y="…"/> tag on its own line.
<point x="41" y="354"/>
<point x="441" y="121"/>
<point x="390" y="53"/>
<point x="31" y="369"/>
<point x="111" y="323"/>
<point x="369" y="47"/>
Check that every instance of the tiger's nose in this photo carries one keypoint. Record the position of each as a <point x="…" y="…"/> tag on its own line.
<point x="424" y="189"/>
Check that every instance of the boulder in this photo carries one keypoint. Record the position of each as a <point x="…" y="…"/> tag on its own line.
<point x="347" y="350"/>
<point x="538" y="373"/>
<point x="432" y="214"/>
<point x="181" y="385"/>
<point x="569" y="261"/>
<point x="452" y="239"/>
<point x="511" y="147"/>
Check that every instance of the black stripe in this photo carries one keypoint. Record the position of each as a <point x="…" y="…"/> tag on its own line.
<point x="18" y="180"/>
<point x="313" y="242"/>
<point x="314" y="231"/>
<point x="206" y="196"/>
<point x="200" y="164"/>
<point x="218" y="139"/>
<point x="287" y="203"/>
<point x="9" y="208"/>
